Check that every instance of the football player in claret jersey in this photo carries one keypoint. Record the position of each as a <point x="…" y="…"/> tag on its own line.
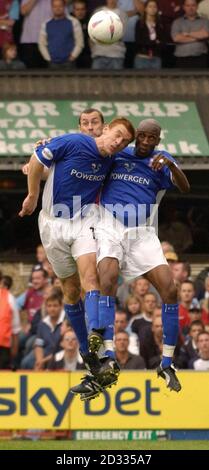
<point x="127" y="239"/>
<point x="78" y="166"/>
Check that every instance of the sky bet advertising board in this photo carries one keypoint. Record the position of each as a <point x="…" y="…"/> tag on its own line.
<point x="39" y="400"/>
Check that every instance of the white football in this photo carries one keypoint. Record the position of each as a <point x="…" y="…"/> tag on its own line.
<point x="105" y="27"/>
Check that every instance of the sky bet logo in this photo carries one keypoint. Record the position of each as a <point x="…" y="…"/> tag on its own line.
<point x="124" y="406"/>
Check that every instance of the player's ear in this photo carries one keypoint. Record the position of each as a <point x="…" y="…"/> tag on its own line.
<point x="158" y="141"/>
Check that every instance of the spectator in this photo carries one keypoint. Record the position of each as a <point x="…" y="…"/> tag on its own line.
<point x="203" y="347"/>
<point x="205" y="311"/>
<point x="61" y="38"/>
<point x="28" y="335"/>
<point x="32" y="299"/>
<point x="199" y="282"/>
<point x="123" y="291"/>
<point x="157" y="312"/>
<point x="152" y="345"/>
<point x="121" y="324"/>
<point x="80" y="12"/>
<point x="109" y="56"/>
<point x="48" y="338"/>
<point x="149" y="38"/>
<point x="189" y="350"/>
<point x="186" y="296"/>
<point x="206" y="285"/>
<point x="190" y="33"/>
<point x="10" y="60"/>
<point x="134" y="9"/>
<point x="35" y="12"/>
<point x="167" y="247"/>
<point x="169" y="11"/>
<point x="7" y="282"/>
<point x="125" y="359"/>
<point x="9" y="13"/>
<point x="181" y="271"/>
<point x="42" y="312"/>
<point x="133" y="307"/>
<point x="68" y="358"/>
<point x="140" y="288"/>
<point x="48" y="268"/>
<point x="195" y="313"/>
<point x="10" y="327"/>
<point x="140" y="325"/>
<point x="40" y="257"/>
<point x="171" y="257"/>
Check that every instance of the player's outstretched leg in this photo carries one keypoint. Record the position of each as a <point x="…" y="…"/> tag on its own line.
<point x="166" y="370"/>
<point x="169" y="375"/>
<point x="162" y="280"/>
<point x="88" y="388"/>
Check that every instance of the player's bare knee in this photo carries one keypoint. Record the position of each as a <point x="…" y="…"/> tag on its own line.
<point x="71" y="291"/>
<point x="109" y="284"/>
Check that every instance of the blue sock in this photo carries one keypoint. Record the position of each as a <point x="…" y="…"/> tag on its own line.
<point x="170" y="319"/>
<point x="76" y="315"/>
<point x="106" y="321"/>
<point x="92" y="309"/>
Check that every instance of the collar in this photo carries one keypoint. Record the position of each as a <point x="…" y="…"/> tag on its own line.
<point x="197" y="17"/>
<point x="48" y="322"/>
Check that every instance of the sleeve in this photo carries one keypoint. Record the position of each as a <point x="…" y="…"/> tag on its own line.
<point x="78" y="36"/>
<point x="16" y="328"/>
<point x="39" y="341"/>
<point x="20" y="300"/>
<point x="14" y="10"/>
<point x="206" y="25"/>
<point x="57" y="149"/>
<point x="166" y="178"/>
<point x="175" y="28"/>
<point x="43" y="43"/>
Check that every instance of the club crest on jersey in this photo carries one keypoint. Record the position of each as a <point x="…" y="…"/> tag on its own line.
<point x="47" y="154"/>
<point x="129" y="166"/>
<point x="96" y="167"/>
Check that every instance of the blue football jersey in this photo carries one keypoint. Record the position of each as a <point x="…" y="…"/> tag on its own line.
<point x="77" y="169"/>
<point x="133" y="184"/>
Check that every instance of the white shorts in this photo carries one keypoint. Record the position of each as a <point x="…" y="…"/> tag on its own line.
<point x="137" y="249"/>
<point x="65" y="240"/>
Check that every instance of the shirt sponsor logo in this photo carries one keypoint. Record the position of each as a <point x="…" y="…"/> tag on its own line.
<point x="86" y="176"/>
<point x="129" y="166"/>
<point x="96" y="167"/>
<point x="133" y="179"/>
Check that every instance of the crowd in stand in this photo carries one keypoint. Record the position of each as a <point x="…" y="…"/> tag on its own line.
<point x="53" y="34"/>
<point x="35" y="334"/>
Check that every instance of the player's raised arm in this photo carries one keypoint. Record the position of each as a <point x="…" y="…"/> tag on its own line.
<point x="178" y="177"/>
<point x="34" y="178"/>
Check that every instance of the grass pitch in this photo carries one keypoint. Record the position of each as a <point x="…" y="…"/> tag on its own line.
<point x="104" y="445"/>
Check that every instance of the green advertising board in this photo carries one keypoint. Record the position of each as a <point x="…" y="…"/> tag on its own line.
<point x="120" y="435"/>
<point x="22" y="123"/>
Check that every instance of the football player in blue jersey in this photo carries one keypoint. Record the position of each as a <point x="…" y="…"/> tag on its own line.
<point x="91" y="122"/>
<point x="127" y="239"/>
<point x="78" y="166"/>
